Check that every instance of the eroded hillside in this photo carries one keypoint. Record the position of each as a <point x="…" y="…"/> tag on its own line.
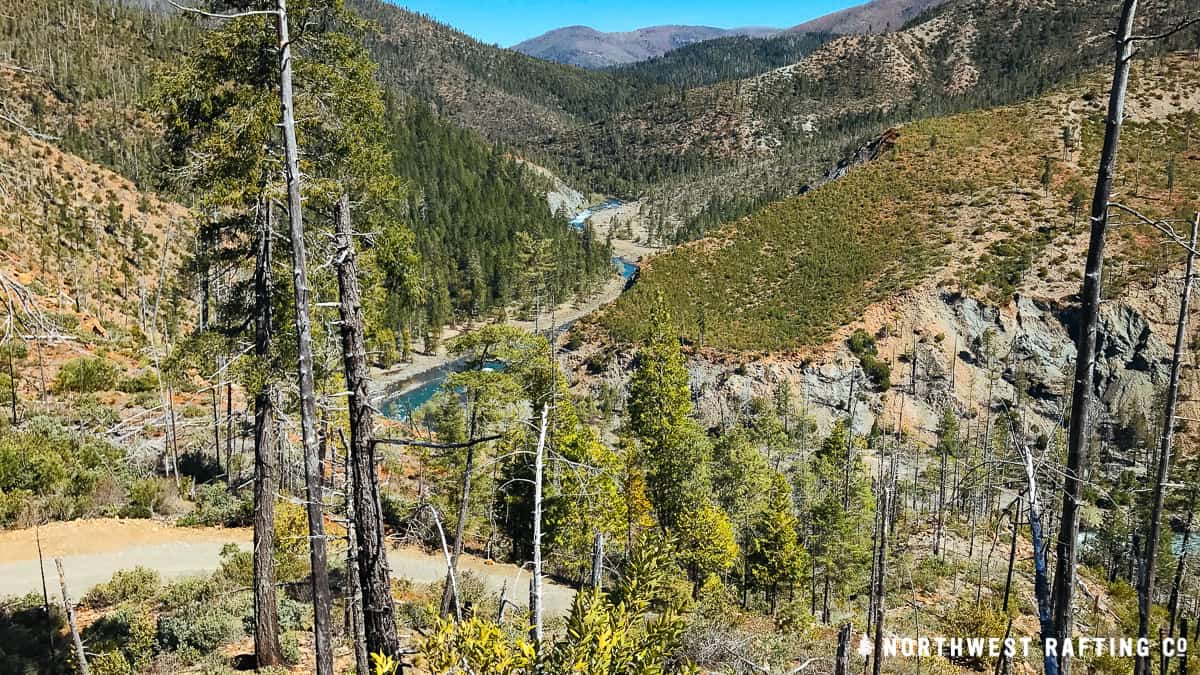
<point x="960" y="248"/>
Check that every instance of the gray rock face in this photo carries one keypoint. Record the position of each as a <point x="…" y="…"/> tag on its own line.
<point x="966" y="352"/>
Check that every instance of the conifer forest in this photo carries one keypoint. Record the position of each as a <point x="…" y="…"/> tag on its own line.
<point x="337" y="340"/>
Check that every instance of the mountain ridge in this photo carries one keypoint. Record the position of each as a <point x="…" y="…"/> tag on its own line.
<point x="876" y="16"/>
<point x="587" y="47"/>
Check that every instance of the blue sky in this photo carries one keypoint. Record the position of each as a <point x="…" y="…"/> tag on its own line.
<point x="507" y="22"/>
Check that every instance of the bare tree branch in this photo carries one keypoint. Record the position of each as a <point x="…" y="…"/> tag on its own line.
<point x="1183" y="25"/>
<point x="213" y="15"/>
<point x="430" y="444"/>
<point x="32" y="132"/>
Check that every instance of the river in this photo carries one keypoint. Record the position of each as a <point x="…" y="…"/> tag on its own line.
<point x="416" y="392"/>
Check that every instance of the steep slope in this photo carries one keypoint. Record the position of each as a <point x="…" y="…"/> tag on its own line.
<point x="791" y="123"/>
<point x="590" y="48"/>
<point x="505" y="95"/>
<point x="957" y="260"/>
<point x="958" y="199"/>
<point x="88" y="260"/>
<point x="721" y="59"/>
<point x="88" y="67"/>
<point x="876" y="16"/>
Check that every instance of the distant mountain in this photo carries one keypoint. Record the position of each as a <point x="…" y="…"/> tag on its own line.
<point x="877" y="16"/>
<point x="590" y="48"/>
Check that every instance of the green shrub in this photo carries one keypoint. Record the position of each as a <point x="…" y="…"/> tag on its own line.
<point x="289" y="647"/>
<point x="43" y="459"/>
<point x="203" y="627"/>
<point x="24" y="631"/>
<point x="125" y="639"/>
<point x="862" y="345"/>
<point x="85" y="375"/>
<point x="144" y="382"/>
<point x="92" y="414"/>
<point x="111" y="662"/>
<point x="138" y="583"/>
<point x="12" y="503"/>
<point x="146" y="498"/>
<point x="216" y="506"/>
<point x="185" y="592"/>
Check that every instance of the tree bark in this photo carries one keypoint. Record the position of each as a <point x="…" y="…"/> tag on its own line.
<point x="535" y="584"/>
<point x="70" y="607"/>
<point x="841" y="665"/>
<point x="1068" y="534"/>
<point x="880" y="585"/>
<point x="12" y="383"/>
<point x="354" y="599"/>
<point x="597" y="560"/>
<point x="1012" y="554"/>
<point x="1154" y="527"/>
<point x="379" y="618"/>
<point x="941" y="514"/>
<point x="322" y="639"/>
<point x="1180" y="565"/>
<point x="1041" y="583"/>
<point x="459" y="527"/>
<point x="266" y="616"/>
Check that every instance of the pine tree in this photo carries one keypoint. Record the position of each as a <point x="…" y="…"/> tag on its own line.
<point x="774" y="556"/>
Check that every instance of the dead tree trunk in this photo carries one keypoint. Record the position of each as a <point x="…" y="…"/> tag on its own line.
<point x="1012" y="554"/>
<point x="379" y="617"/>
<point x="70" y="607"/>
<point x="460" y="526"/>
<point x="941" y="514"/>
<point x="1177" y="582"/>
<point x="12" y="382"/>
<point x="881" y="584"/>
<point x="597" y="561"/>
<point x="1183" y="655"/>
<point x="1041" y="583"/>
<point x="1146" y="582"/>
<point x="266" y="617"/>
<point x="322" y="639"/>
<point x="841" y="666"/>
<point x="354" y="599"/>
<point x="1068" y="531"/>
<point x="535" y="584"/>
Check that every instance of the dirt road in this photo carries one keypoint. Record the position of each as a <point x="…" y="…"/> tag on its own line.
<point x="93" y="549"/>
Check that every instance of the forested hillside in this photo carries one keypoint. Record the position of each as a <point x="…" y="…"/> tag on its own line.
<point x="302" y="372"/>
<point x="959" y="197"/>
<point x="773" y="133"/>
<point x="721" y="59"/>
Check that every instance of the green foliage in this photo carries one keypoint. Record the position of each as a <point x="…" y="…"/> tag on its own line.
<point x="774" y="556"/>
<point x="216" y="506"/>
<point x="659" y="406"/>
<point x="730" y="58"/>
<point x="137" y="584"/>
<point x="470" y="207"/>
<point x="146" y="498"/>
<point x="61" y="468"/>
<point x="201" y="628"/>
<point x="30" y="640"/>
<point x="862" y="345"/>
<point x="705" y="543"/>
<point x="85" y="375"/>
<point x="968" y="619"/>
<point x="125" y="641"/>
<point x="842" y="511"/>
<point x="144" y="381"/>
<point x="613" y="633"/>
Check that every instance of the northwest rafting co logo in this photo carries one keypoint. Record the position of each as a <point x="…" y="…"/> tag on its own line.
<point x="1024" y="647"/>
